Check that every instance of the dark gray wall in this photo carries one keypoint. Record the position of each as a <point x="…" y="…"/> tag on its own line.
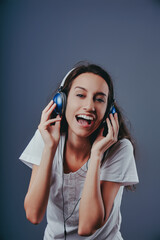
<point x="40" y="42"/>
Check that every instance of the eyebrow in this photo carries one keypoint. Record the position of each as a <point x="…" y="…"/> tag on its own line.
<point x="97" y="93"/>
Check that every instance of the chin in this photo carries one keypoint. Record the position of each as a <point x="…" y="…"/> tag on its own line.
<point x="86" y="134"/>
<point x="82" y="134"/>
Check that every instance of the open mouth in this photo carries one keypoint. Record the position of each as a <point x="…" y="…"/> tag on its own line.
<point x="84" y="120"/>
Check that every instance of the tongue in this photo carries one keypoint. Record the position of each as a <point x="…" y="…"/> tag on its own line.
<point x="83" y="122"/>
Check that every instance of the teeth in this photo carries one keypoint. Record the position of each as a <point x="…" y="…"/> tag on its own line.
<point x="85" y="117"/>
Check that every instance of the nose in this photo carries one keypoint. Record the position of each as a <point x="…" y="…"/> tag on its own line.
<point x="89" y="105"/>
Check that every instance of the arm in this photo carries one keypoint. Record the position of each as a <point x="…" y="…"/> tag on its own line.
<point x="91" y="211"/>
<point x="97" y="200"/>
<point x="37" y="196"/>
<point x="38" y="192"/>
<point x="98" y="197"/>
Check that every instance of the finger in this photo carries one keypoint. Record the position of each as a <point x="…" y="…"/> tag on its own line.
<point x="112" y="138"/>
<point x="58" y="124"/>
<point x="116" y="119"/>
<point x="110" y="131"/>
<point x="46" y="115"/>
<point x="51" y="109"/>
<point x="48" y="106"/>
<point x="52" y="121"/>
<point x="114" y="125"/>
<point x="117" y="122"/>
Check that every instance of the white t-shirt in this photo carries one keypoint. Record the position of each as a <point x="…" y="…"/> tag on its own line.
<point x="118" y="167"/>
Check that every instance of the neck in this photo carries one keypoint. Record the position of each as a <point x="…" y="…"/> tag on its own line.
<point x="78" y="147"/>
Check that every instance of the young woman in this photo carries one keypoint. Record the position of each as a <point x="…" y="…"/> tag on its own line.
<point x="78" y="172"/>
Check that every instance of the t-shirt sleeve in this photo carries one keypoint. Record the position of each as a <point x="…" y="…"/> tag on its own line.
<point x="119" y="164"/>
<point x="33" y="152"/>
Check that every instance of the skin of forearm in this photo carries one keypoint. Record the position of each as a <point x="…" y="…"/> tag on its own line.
<point x="91" y="211"/>
<point x="37" y="197"/>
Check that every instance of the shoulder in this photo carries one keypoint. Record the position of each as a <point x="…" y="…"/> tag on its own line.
<point x="118" y="164"/>
<point x="121" y="153"/>
<point x="123" y="146"/>
<point x="125" y="142"/>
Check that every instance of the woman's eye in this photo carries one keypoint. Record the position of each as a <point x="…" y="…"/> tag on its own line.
<point x="80" y="95"/>
<point x="99" y="100"/>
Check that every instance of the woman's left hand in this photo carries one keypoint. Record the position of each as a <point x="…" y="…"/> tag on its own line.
<point x="101" y="143"/>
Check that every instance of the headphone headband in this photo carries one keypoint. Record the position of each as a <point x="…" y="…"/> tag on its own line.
<point x="64" y="79"/>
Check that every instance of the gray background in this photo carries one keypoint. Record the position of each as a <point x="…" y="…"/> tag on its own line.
<point x="40" y="42"/>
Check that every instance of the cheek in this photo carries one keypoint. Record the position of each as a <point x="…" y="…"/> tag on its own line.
<point x="70" y="108"/>
<point x="102" y="112"/>
<point x="73" y="103"/>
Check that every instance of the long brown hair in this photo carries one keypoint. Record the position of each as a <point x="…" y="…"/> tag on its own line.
<point x="85" y="67"/>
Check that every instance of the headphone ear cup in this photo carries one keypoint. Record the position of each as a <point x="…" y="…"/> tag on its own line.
<point x="60" y="100"/>
<point x="112" y="109"/>
<point x="64" y="102"/>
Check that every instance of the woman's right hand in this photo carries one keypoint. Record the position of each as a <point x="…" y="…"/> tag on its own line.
<point x="50" y="133"/>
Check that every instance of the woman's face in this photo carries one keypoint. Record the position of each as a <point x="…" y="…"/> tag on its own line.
<point x="86" y="104"/>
